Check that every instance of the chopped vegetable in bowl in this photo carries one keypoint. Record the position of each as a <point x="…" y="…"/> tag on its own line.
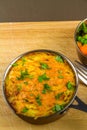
<point x="81" y="37"/>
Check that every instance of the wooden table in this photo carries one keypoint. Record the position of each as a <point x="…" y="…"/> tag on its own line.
<point x="17" y="38"/>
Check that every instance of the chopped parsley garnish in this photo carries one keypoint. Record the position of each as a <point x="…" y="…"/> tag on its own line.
<point x="44" y="66"/>
<point x="56" y="108"/>
<point x="59" y="95"/>
<point x="24" y="74"/>
<point x="59" y="59"/>
<point x="44" y="91"/>
<point x="60" y="71"/>
<point x="30" y="76"/>
<point x="70" y="86"/>
<point x="19" y="87"/>
<point x="23" y="61"/>
<point x="26" y="83"/>
<point x="60" y="76"/>
<point x="15" y="64"/>
<point x="38" y="100"/>
<point x="31" y="94"/>
<point x="43" y="77"/>
<point x="46" y="88"/>
<point x="25" y="109"/>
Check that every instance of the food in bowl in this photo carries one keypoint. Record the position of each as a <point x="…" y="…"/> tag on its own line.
<point x="39" y="84"/>
<point x="81" y="37"/>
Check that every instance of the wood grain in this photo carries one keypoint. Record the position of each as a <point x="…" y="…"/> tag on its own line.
<point x="17" y="38"/>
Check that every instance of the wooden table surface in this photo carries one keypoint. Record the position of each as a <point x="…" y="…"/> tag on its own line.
<point x="17" y="38"/>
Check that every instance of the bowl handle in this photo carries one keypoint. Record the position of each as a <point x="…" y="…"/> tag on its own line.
<point x="80" y="106"/>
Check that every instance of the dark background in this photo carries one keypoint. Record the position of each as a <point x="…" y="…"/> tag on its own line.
<point x="42" y="10"/>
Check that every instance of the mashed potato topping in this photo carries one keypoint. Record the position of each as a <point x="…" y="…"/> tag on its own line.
<point x="39" y="84"/>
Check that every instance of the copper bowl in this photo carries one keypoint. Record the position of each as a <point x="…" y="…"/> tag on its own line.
<point x="53" y="117"/>
<point x="82" y="57"/>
